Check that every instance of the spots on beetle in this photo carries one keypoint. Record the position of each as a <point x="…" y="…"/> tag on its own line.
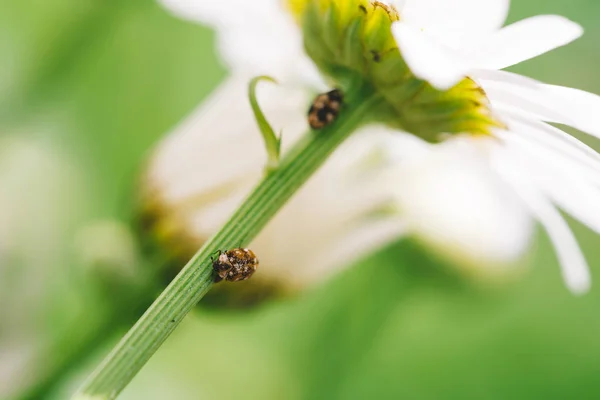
<point x="325" y="109"/>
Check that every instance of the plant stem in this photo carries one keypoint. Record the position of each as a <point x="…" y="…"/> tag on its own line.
<point x="196" y="278"/>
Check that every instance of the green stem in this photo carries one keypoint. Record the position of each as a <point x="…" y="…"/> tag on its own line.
<point x="196" y="278"/>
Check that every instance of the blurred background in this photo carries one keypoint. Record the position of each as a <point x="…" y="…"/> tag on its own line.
<point x="87" y="87"/>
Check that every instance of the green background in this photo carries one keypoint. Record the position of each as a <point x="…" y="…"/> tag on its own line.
<point x="87" y="87"/>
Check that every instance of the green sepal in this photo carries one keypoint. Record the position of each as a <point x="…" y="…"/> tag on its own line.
<point x="351" y="42"/>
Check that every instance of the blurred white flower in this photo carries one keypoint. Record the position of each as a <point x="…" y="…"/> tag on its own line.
<point x="472" y="198"/>
<point x="108" y="250"/>
<point x="205" y="168"/>
<point x="41" y="197"/>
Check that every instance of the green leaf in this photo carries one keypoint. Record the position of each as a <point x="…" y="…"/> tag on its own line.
<point x="272" y="141"/>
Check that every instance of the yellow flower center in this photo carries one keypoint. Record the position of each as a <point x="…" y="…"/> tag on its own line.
<point x="351" y="42"/>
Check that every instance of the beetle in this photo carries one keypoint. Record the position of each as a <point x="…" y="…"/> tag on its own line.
<point x="235" y="265"/>
<point x="325" y="109"/>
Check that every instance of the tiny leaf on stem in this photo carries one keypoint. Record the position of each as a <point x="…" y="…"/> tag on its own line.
<point x="272" y="141"/>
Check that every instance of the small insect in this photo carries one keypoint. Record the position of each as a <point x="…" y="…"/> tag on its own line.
<point x="325" y="109"/>
<point x="235" y="265"/>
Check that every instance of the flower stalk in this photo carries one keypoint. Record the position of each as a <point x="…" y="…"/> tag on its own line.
<point x="196" y="278"/>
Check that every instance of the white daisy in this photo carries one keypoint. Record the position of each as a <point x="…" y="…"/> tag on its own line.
<point x="445" y="41"/>
<point x="472" y="197"/>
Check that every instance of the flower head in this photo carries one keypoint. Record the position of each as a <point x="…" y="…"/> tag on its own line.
<point x="352" y="42"/>
<point x="436" y="65"/>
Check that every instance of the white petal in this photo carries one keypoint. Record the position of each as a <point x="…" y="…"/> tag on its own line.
<point x="428" y="59"/>
<point x="575" y="196"/>
<point x="575" y="270"/>
<point x="349" y="245"/>
<point x="397" y="4"/>
<point x="524" y="100"/>
<point x="452" y="201"/>
<point x="402" y="146"/>
<point x="559" y="104"/>
<point x="582" y="108"/>
<point x="555" y="142"/>
<point x="219" y="144"/>
<point x="254" y="37"/>
<point x="560" y="178"/>
<point x="454" y="22"/>
<point x="525" y="40"/>
<point x="208" y="12"/>
<point x="504" y="77"/>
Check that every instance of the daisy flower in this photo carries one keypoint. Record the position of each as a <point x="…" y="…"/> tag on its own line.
<point x="473" y="160"/>
<point x="443" y="42"/>
<point x="459" y="47"/>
